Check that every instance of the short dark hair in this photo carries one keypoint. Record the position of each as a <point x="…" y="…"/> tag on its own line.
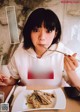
<point x="35" y="19"/>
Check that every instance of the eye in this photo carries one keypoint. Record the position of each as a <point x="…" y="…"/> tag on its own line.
<point x="49" y="31"/>
<point x="35" y="29"/>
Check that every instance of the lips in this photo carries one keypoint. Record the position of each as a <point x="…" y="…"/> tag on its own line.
<point x="42" y="45"/>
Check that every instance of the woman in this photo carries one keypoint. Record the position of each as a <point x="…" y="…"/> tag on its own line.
<point x="34" y="59"/>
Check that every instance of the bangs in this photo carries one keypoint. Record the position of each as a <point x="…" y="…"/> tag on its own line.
<point x="37" y="23"/>
<point x="50" y="25"/>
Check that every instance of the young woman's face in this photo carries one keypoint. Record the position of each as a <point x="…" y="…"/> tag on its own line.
<point x="42" y="38"/>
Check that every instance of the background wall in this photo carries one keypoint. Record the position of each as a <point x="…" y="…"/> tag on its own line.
<point x="70" y="23"/>
<point x="71" y="30"/>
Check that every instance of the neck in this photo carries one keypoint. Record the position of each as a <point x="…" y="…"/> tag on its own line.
<point x="40" y="53"/>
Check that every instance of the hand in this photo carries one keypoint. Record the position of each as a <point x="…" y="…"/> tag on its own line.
<point x="3" y="80"/>
<point x="70" y="65"/>
<point x="70" y="62"/>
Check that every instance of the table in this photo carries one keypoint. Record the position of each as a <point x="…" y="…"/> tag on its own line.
<point x="71" y="104"/>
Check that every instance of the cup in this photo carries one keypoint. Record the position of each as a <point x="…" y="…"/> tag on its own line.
<point x="1" y="97"/>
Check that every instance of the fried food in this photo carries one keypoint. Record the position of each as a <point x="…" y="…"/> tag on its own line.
<point x="40" y="99"/>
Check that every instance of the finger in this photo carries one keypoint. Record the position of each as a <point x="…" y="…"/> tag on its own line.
<point x="2" y="78"/>
<point x="2" y="84"/>
<point x="70" y="63"/>
<point x="5" y="78"/>
<point x="74" y="60"/>
<point x="66" y="65"/>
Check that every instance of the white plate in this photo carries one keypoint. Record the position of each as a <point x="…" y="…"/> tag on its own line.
<point x="20" y="102"/>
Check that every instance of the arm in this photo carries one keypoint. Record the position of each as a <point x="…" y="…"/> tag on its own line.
<point x="70" y="65"/>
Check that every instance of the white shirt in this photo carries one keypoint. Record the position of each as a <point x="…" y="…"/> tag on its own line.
<point x="25" y="60"/>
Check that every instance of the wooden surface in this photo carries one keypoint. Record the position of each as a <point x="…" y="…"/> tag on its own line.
<point x="71" y="104"/>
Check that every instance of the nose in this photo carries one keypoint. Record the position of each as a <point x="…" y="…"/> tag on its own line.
<point x="42" y="35"/>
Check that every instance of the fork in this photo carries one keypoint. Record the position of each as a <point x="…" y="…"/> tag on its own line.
<point x="57" y="51"/>
<point x="60" y="52"/>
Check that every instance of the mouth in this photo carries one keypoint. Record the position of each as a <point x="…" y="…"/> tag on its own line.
<point x="42" y="45"/>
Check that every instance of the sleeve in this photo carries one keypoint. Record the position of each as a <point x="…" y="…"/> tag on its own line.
<point x="13" y="68"/>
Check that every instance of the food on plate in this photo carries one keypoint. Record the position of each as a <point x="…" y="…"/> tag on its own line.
<point x="40" y="99"/>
